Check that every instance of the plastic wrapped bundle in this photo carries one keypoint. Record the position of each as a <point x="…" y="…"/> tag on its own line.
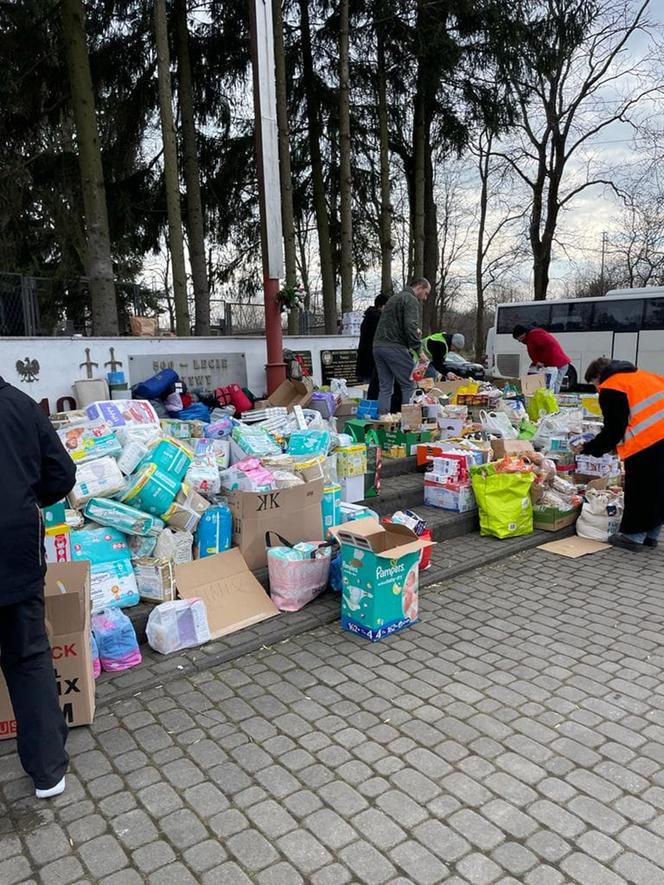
<point x="116" y="640"/>
<point x="174" y="626"/>
<point x="96" y="479"/>
<point x="122" y="517"/>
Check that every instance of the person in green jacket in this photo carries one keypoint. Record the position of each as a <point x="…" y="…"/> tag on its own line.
<point x="398" y="342"/>
<point x="437" y="346"/>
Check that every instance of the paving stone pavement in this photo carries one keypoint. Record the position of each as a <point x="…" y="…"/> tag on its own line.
<point x="514" y="735"/>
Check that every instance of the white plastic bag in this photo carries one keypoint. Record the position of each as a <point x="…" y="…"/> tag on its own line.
<point x="173" y="626"/>
<point x="176" y="546"/>
<point x="499" y="423"/>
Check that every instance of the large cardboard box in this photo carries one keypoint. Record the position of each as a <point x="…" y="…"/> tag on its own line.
<point x="550" y="519"/>
<point x="294" y="513"/>
<point x="503" y="447"/>
<point x="289" y="394"/>
<point x="233" y="597"/>
<point x="67" y="593"/>
<point x="531" y="383"/>
<point x="454" y="496"/>
<point x="380" y="577"/>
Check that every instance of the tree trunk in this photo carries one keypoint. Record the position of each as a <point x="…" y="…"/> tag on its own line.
<point x="98" y="261"/>
<point x="385" y="223"/>
<point x="318" y="181"/>
<point x="285" y="176"/>
<point x="171" y="180"/>
<point x="485" y="153"/>
<point x="195" y="223"/>
<point x="431" y="257"/>
<point x="346" y="173"/>
<point x="419" y="186"/>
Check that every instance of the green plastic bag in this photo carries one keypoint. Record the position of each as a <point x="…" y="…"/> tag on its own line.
<point x="503" y="500"/>
<point x="527" y="429"/>
<point x="543" y="400"/>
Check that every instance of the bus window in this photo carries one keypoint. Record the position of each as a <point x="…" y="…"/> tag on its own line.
<point x="574" y="316"/>
<point x="618" y="316"/>
<point x="527" y="313"/>
<point x="653" y="315"/>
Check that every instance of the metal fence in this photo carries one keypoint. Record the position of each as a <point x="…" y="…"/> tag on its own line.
<point x="32" y="306"/>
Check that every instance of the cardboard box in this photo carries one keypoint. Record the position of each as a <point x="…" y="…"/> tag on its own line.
<point x="295" y="513"/>
<point x="233" y="597"/>
<point x="346" y="408"/>
<point x="57" y="543"/>
<point x="289" y="394"/>
<point x="450" y="427"/>
<point x="67" y="595"/>
<point x="380" y="577"/>
<point x="503" y="447"/>
<point x="531" y="383"/>
<point x="352" y="488"/>
<point x="449" y="496"/>
<point x="550" y="519"/>
<point x="426" y="452"/>
<point x="411" y="418"/>
<point x="155" y="579"/>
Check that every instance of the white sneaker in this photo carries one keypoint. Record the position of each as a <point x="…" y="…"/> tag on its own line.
<point x="52" y="791"/>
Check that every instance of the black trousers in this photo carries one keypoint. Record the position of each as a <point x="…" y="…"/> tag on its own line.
<point x="25" y="658"/>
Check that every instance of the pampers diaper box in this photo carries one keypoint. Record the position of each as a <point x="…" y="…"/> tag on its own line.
<point x="380" y="577"/>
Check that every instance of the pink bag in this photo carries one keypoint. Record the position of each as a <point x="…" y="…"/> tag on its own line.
<point x="298" y="573"/>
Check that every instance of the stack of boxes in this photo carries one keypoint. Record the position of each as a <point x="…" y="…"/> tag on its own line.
<point x="448" y="486"/>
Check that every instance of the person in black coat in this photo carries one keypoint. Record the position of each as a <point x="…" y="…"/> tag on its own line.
<point x="643" y="513"/>
<point x="365" y="366"/>
<point x="36" y="472"/>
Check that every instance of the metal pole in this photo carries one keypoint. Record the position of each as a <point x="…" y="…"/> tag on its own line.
<point x="601" y="276"/>
<point x="267" y="163"/>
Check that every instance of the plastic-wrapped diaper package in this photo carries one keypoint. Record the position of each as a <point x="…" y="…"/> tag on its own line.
<point x="187" y="509"/>
<point x="138" y="433"/>
<point x="253" y="441"/>
<point x="141" y="547"/>
<point x="112" y="579"/>
<point x="203" y="476"/>
<point x="173" y="626"/>
<point x="100" y="478"/>
<point x="120" y="413"/>
<point x="155" y="579"/>
<point x="116" y="640"/>
<point x="219" y="448"/>
<point x="122" y="517"/>
<point x="96" y="662"/>
<point x="171" y="457"/>
<point x="309" y="442"/>
<point x="220" y="429"/>
<point x="247" y="476"/>
<point x="215" y="531"/>
<point x="176" y="429"/>
<point x="85" y="442"/>
<point x="175" y="546"/>
<point x="151" y="490"/>
<point x="132" y="455"/>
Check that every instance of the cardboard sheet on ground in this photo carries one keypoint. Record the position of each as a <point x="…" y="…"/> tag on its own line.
<point x="233" y="597"/>
<point x="573" y="547"/>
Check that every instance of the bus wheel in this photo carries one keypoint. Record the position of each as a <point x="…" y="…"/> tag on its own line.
<point x="570" y="380"/>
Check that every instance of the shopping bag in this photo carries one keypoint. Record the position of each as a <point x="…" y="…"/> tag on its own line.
<point x="543" y="401"/>
<point x="503" y="499"/>
<point x="498" y="423"/>
<point x="298" y="573"/>
<point x="527" y="429"/>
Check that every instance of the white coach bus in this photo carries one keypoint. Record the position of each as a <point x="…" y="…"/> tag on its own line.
<point x="626" y="324"/>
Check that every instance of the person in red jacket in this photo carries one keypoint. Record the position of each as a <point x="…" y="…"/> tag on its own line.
<point x="544" y="351"/>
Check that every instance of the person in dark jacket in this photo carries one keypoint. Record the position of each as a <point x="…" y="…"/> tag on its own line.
<point x="36" y="472"/>
<point x="366" y="365"/>
<point x="632" y="403"/>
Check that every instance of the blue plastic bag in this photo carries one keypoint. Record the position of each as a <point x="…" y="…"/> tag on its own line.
<point x="335" y="573"/>
<point x="194" y="412"/>
<point x="116" y="640"/>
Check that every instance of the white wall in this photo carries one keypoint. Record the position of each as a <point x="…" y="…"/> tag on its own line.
<point x="60" y="358"/>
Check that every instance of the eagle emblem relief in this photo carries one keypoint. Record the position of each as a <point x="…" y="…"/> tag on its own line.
<point x="28" y="370"/>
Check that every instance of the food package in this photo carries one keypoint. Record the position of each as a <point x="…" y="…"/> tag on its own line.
<point x="100" y="478"/>
<point x="174" y="546"/>
<point x="203" y="476"/>
<point x="122" y="517"/>
<point x="187" y="509"/>
<point x="174" y="626"/>
<point x="85" y="442"/>
<point x="600" y="515"/>
<point x="120" y="413"/>
<point x="155" y="579"/>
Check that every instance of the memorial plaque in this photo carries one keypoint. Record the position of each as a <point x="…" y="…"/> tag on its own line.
<point x="338" y="364"/>
<point x="195" y="370"/>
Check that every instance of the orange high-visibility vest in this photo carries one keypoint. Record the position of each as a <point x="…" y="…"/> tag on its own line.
<point x="645" y="395"/>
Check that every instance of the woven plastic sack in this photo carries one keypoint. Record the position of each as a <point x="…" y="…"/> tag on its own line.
<point x="543" y="401"/>
<point x="503" y="499"/>
<point x="298" y="573"/>
<point x="600" y="515"/>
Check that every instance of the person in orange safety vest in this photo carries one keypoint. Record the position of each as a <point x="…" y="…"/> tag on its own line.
<point x="632" y="403"/>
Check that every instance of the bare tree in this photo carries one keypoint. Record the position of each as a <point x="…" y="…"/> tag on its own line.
<point x="578" y="75"/>
<point x="636" y="249"/>
<point x="345" y="167"/>
<point x="454" y="233"/>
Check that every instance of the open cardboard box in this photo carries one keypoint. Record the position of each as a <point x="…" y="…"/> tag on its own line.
<point x="503" y="447"/>
<point x="233" y="597"/>
<point x="550" y="519"/>
<point x="288" y="395"/>
<point x="380" y="576"/>
<point x="67" y="597"/>
<point x="295" y="513"/>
